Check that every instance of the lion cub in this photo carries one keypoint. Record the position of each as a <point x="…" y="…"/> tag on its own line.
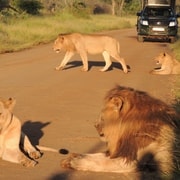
<point x="169" y="65"/>
<point x="84" y="44"/>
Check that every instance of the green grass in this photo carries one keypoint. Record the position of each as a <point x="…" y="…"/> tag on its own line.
<point x="27" y="31"/>
<point x="20" y="33"/>
<point x="176" y="48"/>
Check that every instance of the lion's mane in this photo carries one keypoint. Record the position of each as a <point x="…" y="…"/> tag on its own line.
<point x="139" y="121"/>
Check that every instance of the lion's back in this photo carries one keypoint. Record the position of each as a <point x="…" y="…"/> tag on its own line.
<point x="174" y="64"/>
<point x="94" y="43"/>
<point x="176" y="69"/>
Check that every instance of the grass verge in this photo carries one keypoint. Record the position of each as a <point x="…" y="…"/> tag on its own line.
<point x="26" y="31"/>
<point x="21" y="33"/>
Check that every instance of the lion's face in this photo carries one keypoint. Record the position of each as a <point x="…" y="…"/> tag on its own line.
<point x="6" y="107"/>
<point x="160" y="58"/>
<point x="109" y="118"/>
<point x="58" y="44"/>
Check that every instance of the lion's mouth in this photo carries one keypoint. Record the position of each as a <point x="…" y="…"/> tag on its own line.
<point x="102" y="137"/>
<point x="57" y="50"/>
<point x="101" y="134"/>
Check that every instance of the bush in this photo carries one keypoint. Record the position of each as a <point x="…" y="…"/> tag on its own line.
<point x="29" y="6"/>
<point x="78" y="10"/>
<point x="132" y="7"/>
<point x="3" y="4"/>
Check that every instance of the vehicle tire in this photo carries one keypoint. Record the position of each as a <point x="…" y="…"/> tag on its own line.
<point x="140" y="38"/>
<point x="172" y="39"/>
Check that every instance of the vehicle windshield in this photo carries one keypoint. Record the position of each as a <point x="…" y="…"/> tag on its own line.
<point x="154" y="12"/>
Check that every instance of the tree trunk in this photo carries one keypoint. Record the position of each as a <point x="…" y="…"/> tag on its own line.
<point x="113" y="6"/>
<point x="121" y="7"/>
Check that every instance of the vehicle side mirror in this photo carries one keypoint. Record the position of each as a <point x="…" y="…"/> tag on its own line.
<point x="138" y="13"/>
<point x="178" y="15"/>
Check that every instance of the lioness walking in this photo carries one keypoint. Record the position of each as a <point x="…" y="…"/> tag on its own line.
<point x="92" y="44"/>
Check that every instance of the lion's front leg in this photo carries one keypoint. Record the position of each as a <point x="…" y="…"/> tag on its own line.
<point x="67" y="57"/>
<point x="27" y="162"/>
<point x="13" y="154"/>
<point x="98" y="162"/>
<point x="84" y="162"/>
<point x="161" y="71"/>
<point x="10" y="145"/>
<point x="28" y="147"/>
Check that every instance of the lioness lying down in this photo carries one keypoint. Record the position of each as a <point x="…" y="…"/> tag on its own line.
<point x="141" y="133"/>
<point x="11" y="138"/>
<point x="169" y="65"/>
<point x="14" y="144"/>
<point x="92" y="44"/>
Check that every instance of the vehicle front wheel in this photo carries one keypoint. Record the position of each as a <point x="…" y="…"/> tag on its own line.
<point x="173" y="39"/>
<point x="140" y="38"/>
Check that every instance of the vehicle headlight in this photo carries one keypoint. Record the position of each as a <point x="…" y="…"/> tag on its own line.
<point x="144" y="22"/>
<point x="172" y="23"/>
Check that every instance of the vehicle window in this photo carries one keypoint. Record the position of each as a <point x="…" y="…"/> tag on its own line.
<point x="153" y="12"/>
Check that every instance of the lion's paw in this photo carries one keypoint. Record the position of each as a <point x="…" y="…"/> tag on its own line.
<point x="29" y="163"/>
<point x="84" y="69"/>
<point x="125" y="71"/>
<point x="67" y="163"/>
<point x="35" y="154"/>
<point x="102" y="70"/>
<point x="59" y="68"/>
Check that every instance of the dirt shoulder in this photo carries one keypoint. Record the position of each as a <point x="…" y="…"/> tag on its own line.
<point x="58" y="108"/>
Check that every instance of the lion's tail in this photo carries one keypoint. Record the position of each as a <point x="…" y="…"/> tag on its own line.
<point x="44" y="148"/>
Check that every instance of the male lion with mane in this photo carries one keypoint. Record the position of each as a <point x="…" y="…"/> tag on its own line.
<point x="92" y="44"/>
<point x="141" y="133"/>
<point x="169" y="65"/>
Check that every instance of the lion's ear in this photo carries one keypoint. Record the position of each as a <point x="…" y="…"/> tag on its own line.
<point x="1" y="107"/>
<point x="164" y="53"/>
<point x="117" y="103"/>
<point x="10" y="103"/>
<point x="61" y="38"/>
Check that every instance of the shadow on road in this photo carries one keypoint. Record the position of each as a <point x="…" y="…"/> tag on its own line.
<point x="34" y="130"/>
<point x="100" y="64"/>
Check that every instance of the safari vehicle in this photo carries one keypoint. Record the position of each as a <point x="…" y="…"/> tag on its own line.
<point x="158" y="21"/>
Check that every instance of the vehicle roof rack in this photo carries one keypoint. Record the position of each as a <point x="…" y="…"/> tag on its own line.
<point x="159" y="3"/>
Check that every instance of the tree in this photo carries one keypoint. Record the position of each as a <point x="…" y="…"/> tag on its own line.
<point x="113" y="6"/>
<point x="5" y="4"/>
<point x="29" y="6"/>
<point x="121" y="4"/>
<point x="117" y="6"/>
